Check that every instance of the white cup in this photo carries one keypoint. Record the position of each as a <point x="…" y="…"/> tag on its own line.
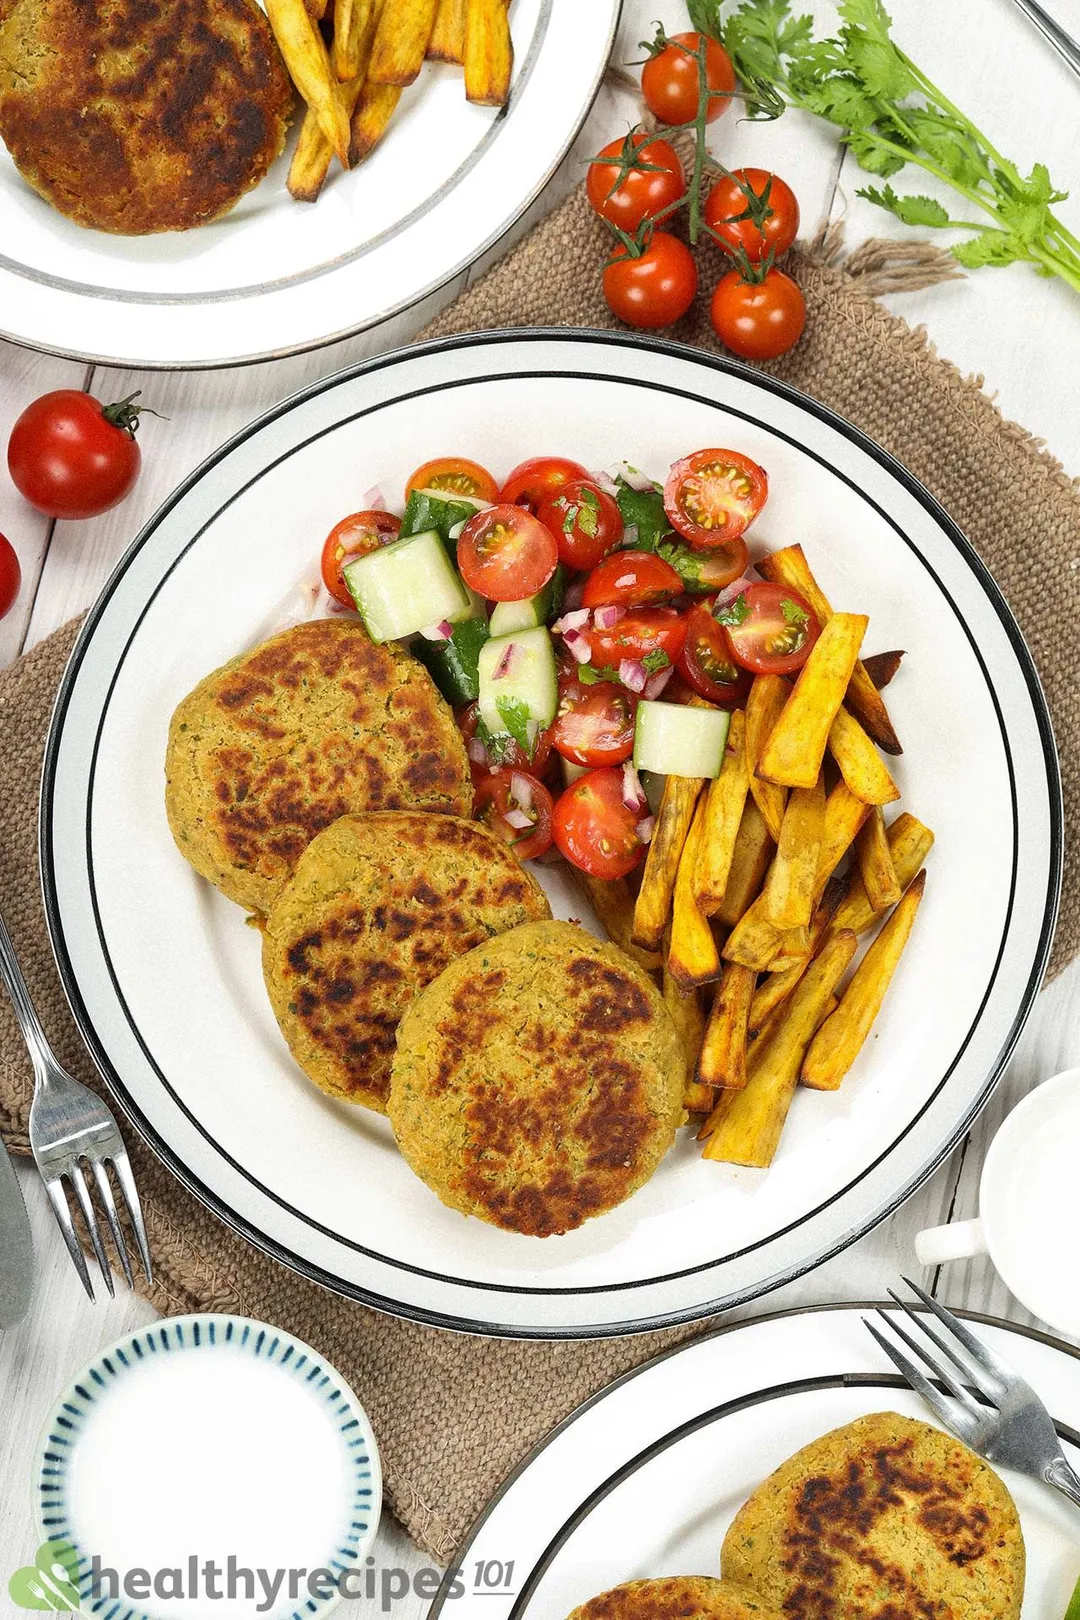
<point x="1029" y="1206"/>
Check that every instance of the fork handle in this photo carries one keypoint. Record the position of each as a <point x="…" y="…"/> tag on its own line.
<point x="32" y="1032"/>
<point x="1060" y="1474"/>
<point x="1062" y="42"/>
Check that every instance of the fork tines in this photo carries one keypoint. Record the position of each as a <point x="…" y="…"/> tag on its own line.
<point x="75" y="1175"/>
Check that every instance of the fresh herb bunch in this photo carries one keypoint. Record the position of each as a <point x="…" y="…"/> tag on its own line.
<point x="893" y="115"/>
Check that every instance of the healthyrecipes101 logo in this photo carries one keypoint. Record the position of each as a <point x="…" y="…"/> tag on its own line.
<point x="49" y="1582"/>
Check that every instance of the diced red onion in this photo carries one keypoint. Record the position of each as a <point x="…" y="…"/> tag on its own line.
<point x="656" y="683"/>
<point x="476" y="751"/>
<point x="517" y="819"/>
<point x="604" y="480"/>
<point x="644" y="829"/>
<point x="577" y="645"/>
<point x="454" y="532"/>
<point x="730" y="592"/>
<point x="606" y="618"/>
<point x="439" y="632"/>
<point x="630" y="535"/>
<point x="633" y="794"/>
<point x="521" y="790"/>
<point x="574" y="593"/>
<point x="576" y="620"/>
<point x="373" y="500"/>
<point x="502" y="668"/>
<point x="632" y="673"/>
<point x="629" y="475"/>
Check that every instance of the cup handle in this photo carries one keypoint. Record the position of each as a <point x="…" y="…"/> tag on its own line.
<point x="962" y="1240"/>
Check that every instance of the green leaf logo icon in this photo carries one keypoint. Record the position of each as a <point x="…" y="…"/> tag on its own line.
<point x="50" y="1581"/>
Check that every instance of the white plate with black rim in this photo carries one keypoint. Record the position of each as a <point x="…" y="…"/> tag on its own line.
<point x="275" y="277"/>
<point x="644" y="1479"/>
<point x="164" y="975"/>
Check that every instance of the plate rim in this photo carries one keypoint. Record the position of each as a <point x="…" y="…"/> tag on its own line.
<point x="290" y="351"/>
<point x="243" y="1225"/>
<point x="717" y="1331"/>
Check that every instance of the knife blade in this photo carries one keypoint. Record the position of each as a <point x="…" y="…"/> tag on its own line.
<point x="16" y="1247"/>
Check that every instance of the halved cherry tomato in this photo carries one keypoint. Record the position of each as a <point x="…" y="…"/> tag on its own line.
<point x="671" y="83"/>
<point x="505" y="554"/>
<point x="594" y="829"/>
<point x="707" y="663"/>
<point x="595" y="724"/>
<point x="353" y="537"/>
<point x="457" y="475"/>
<point x="585" y="521"/>
<point x="639" y="632"/>
<point x="631" y="579"/>
<point x="533" y="481"/>
<point x="624" y="194"/>
<point x="491" y="751"/>
<point x="517" y="795"/>
<point x="727" y="213"/>
<point x="770" y="629"/>
<point x="712" y="496"/>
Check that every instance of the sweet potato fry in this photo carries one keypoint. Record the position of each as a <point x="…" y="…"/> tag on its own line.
<point x="754" y="941"/>
<point x="355" y="23"/>
<point x="316" y="9"/>
<point x="789" y="888"/>
<point x="662" y="863"/>
<point x="777" y="985"/>
<point x="910" y="842"/>
<point x="881" y="667"/>
<point x="309" y="68"/>
<point x="724" y="802"/>
<point x="312" y="155"/>
<point x="698" y="1098"/>
<point x="796" y="746"/>
<point x="745" y="1126"/>
<point x="840" y="1038"/>
<point x="373" y="113"/>
<point x="764" y="707"/>
<point x="692" y="955"/>
<point x="722" y="1061"/>
<point x="401" y="41"/>
<point x="749" y="863"/>
<point x="447" y="42"/>
<point x="685" y="1009"/>
<point x="613" y="903"/>
<point x="861" y="766"/>
<point x="844" y="815"/>
<point x="874" y="861"/>
<point x="790" y="567"/>
<point x="489" y="52"/>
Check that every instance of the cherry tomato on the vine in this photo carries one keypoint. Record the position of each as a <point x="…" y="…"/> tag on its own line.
<point x="457" y="475"/>
<point x="671" y="81"/>
<point x="653" y="288"/>
<point x="711" y="497"/>
<point x="517" y="808"/>
<point x="533" y="481"/>
<point x="758" y="320"/>
<point x="354" y="536"/>
<point x="631" y="579"/>
<point x="770" y="629"/>
<point x="10" y="575"/>
<point x="71" y="456"/>
<point x="706" y="661"/>
<point x="594" y="724"/>
<point x="506" y="554"/>
<point x="585" y="521"/>
<point x="728" y="213"/>
<point x="625" y="194"/>
<point x="594" y="829"/>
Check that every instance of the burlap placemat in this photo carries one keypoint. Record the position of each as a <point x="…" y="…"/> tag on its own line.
<point x="453" y="1414"/>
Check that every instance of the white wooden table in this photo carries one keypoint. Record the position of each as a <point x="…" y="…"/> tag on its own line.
<point x="1021" y="332"/>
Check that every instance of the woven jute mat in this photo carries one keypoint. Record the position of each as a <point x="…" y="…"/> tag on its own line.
<point x="454" y="1414"/>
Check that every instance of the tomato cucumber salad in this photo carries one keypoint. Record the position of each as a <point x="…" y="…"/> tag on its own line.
<point x="592" y="631"/>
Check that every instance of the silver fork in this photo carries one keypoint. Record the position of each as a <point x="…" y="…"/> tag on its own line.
<point x="988" y="1406"/>
<point x="71" y="1129"/>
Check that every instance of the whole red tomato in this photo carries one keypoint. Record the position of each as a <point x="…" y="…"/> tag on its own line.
<point x="769" y="227"/>
<point x="10" y="575"/>
<point x="625" y="194"/>
<point x="653" y="288"/>
<point x="758" y="320"/>
<point x="71" y="456"/>
<point x="671" y="80"/>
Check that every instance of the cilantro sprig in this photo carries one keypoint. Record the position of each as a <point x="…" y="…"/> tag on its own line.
<point x="894" y="115"/>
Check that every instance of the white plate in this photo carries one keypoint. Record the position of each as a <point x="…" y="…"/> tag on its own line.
<point x="164" y="975"/>
<point x="644" y="1479"/>
<point x="274" y="277"/>
<point x="260" y="1456"/>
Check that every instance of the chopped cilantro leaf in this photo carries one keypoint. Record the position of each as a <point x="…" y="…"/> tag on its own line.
<point x="516" y="718"/>
<point x="655" y="661"/>
<point x="735" y="613"/>
<point x="793" y="613"/>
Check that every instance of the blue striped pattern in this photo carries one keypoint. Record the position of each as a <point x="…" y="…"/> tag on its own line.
<point x="192" y="1334"/>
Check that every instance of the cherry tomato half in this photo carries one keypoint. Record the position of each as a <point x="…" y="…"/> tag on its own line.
<point x="10" y="575"/>
<point x="671" y="81"/>
<point x="758" y="320"/>
<point x="594" y="724"/>
<point x="728" y="214"/>
<point x="457" y="476"/>
<point x="533" y="481"/>
<point x="353" y="537"/>
<point x="493" y="751"/>
<point x="770" y="629"/>
<point x="639" y="632"/>
<point x="505" y="554"/>
<point x="594" y="829"/>
<point x="585" y="521"/>
<point x="514" y="796"/>
<point x="653" y="288"/>
<point x="712" y="496"/>
<point x="706" y="661"/>
<point x="625" y="195"/>
<point x="71" y="456"/>
<point x="631" y="579"/>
